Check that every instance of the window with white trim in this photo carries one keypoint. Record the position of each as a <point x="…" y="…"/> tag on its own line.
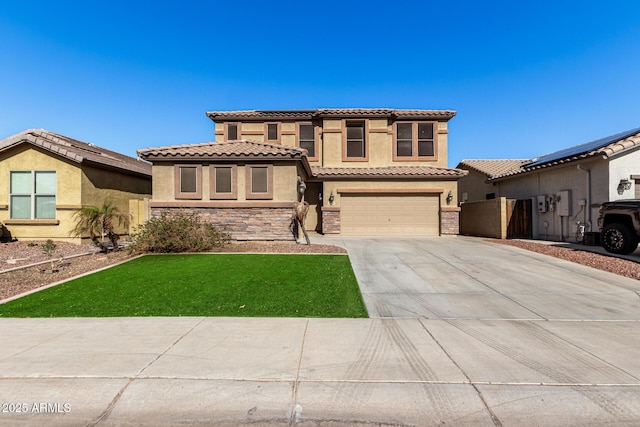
<point x="32" y="194"/>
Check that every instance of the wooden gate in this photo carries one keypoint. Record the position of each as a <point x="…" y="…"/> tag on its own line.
<point x="519" y="219"/>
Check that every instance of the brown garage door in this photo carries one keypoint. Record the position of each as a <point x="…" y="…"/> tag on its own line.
<point x="389" y="215"/>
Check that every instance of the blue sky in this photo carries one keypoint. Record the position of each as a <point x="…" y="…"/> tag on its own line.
<point x="526" y="78"/>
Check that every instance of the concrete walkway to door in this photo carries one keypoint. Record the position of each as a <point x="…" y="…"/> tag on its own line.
<point x="472" y="278"/>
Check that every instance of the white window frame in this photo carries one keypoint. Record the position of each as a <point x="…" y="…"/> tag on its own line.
<point x="33" y="195"/>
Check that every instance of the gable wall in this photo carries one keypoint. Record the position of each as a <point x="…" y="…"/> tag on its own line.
<point x="475" y="187"/>
<point x="624" y="167"/>
<point x="26" y="157"/>
<point x="548" y="182"/>
<point x="99" y="185"/>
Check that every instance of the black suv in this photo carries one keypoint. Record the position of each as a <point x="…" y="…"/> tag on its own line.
<point x="619" y="224"/>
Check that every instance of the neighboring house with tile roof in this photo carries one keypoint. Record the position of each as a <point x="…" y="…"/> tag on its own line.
<point x="475" y="185"/>
<point x="47" y="176"/>
<point x="565" y="186"/>
<point x="366" y="172"/>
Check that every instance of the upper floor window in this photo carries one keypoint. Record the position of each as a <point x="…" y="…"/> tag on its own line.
<point x="233" y="131"/>
<point x="307" y="139"/>
<point x="188" y="182"/>
<point x="355" y="141"/>
<point x="272" y="132"/>
<point x="414" y="141"/>
<point x="32" y="194"/>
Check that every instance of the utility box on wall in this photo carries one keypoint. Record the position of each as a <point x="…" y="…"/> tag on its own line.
<point x="564" y="203"/>
<point x="542" y="204"/>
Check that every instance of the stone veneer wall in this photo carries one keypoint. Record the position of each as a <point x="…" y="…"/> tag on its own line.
<point x="330" y="220"/>
<point x="254" y="223"/>
<point x="450" y="221"/>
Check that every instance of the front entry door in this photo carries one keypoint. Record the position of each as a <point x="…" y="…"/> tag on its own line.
<point x="314" y="217"/>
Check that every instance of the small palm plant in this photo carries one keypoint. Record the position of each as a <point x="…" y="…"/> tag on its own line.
<point x="99" y="221"/>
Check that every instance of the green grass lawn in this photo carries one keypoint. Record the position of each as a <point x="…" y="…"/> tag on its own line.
<point x="205" y="285"/>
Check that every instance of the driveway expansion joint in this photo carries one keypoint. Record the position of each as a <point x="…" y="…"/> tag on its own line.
<point x="296" y="409"/>
<point x="494" y="418"/>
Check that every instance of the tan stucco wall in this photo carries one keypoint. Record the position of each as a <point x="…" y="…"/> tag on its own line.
<point x="395" y="185"/>
<point x="100" y="185"/>
<point x="162" y="182"/>
<point x="332" y="151"/>
<point x="284" y="181"/>
<point x="380" y="142"/>
<point x="486" y="218"/>
<point x="68" y="196"/>
<point x="474" y="186"/>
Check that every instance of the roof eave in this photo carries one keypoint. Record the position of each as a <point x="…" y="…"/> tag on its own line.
<point x="389" y="177"/>
<point x="126" y="171"/>
<point x="558" y="163"/>
<point x="240" y="116"/>
<point x="260" y="116"/>
<point x="62" y="153"/>
<point x="223" y="158"/>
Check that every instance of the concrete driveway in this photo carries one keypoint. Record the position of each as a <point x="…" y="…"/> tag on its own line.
<point x="471" y="278"/>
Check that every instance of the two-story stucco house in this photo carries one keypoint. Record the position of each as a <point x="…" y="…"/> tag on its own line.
<point x="365" y="172"/>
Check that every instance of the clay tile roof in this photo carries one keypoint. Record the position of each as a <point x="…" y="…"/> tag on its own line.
<point x="262" y="115"/>
<point x="231" y="150"/>
<point x="330" y="112"/>
<point x="388" y="172"/>
<point x="619" y="146"/>
<point x="354" y="112"/>
<point x="493" y="168"/>
<point x="77" y="151"/>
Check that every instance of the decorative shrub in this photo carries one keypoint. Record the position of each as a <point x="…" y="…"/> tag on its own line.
<point x="48" y="248"/>
<point x="177" y="232"/>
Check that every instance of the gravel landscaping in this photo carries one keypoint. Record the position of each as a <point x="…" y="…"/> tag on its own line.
<point x="17" y="254"/>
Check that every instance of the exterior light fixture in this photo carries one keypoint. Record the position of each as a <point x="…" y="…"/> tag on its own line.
<point x="301" y="186"/>
<point x="624" y="185"/>
<point x="332" y="198"/>
<point x="449" y="197"/>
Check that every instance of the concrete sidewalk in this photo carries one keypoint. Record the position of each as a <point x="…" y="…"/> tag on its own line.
<point x="230" y="371"/>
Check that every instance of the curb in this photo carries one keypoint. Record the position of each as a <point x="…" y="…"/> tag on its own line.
<point x="35" y="264"/>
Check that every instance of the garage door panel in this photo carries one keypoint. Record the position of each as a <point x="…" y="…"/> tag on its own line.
<point x="378" y="215"/>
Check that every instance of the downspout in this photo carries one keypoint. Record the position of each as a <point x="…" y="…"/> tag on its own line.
<point x="588" y="206"/>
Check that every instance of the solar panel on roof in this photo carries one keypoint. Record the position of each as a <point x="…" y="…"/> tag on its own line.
<point x="581" y="149"/>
